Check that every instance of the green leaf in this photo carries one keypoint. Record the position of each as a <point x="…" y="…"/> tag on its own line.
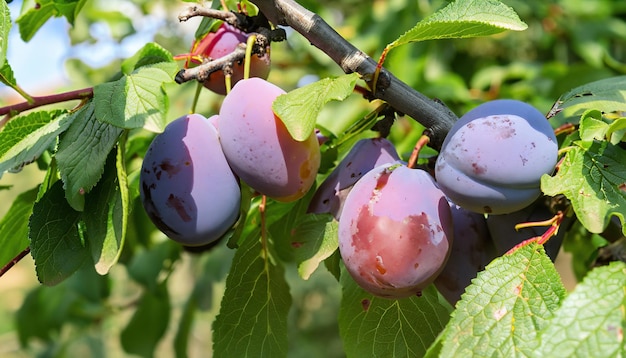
<point x="5" y="27"/>
<point x="607" y="95"/>
<point x="314" y="239"/>
<point x="185" y="324"/>
<point x="55" y="241"/>
<point x="592" y="127"/>
<point x="617" y="130"/>
<point x="299" y="108"/>
<point x="148" y="324"/>
<point x="371" y="326"/>
<point x="136" y="100"/>
<point x="463" y="19"/>
<point x="593" y="177"/>
<point x="6" y="75"/>
<point x="591" y="320"/>
<point x="104" y="219"/>
<point x="14" y="226"/>
<point x="150" y="54"/>
<point x="253" y="316"/>
<point x="146" y="266"/>
<point x="43" y="312"/>
<point x="24" y="138"/>
<point x="505" y="307"/>
<point x="33" y="18"/>
<point x="82" y="153"/>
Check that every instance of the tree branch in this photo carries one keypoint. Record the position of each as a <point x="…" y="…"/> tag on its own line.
<point x="81" y="94"/>
<point x="432" y="114"/>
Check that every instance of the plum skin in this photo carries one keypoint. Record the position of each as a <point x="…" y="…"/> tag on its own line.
<point x="258" y="146"/>
<point x="186" y="186"/>
<point x="395" y="231"/>
<point x="365" y="155"/>
<point x="493" y="158"/>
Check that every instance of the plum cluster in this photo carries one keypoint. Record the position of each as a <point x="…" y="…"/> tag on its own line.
<point x="400" y="229"/>
<point x="189" y="181"/>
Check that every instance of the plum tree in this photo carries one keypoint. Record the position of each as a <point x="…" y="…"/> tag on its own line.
<point x="365" y="155"/>
<point x="186" y="186"/>
<point x="258" y="146"/>
<point x="220" y="43"/>
<point x="493" y="158"/>
<point x="395" y="231"/>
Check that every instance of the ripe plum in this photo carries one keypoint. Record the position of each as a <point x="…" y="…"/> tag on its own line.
<point x="472" y="250"/>
<point x="493" y="158"/>
<point x="258" y="146"/>
<point x="395" y="231"/>
<point x="365" y="155"/>
<point x="186" y="186"/>
<point x="222" y="42"/>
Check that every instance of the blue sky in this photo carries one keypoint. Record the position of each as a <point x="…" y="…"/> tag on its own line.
<point x="38" y="65"/>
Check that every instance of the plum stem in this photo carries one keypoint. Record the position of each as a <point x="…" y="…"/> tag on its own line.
<point x="555" y="223"/>
<point x="421" y="143"/>
<point x="249" y="45"/>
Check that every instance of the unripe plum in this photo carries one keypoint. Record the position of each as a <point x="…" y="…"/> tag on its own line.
<point x="365" y="155"/>
<point x="395" y="231"/>
<point x="186" y="186"/>
<point x="258" y="146"/>
<point x="221" y="43"/>
<point x="493" y="158"/>
<point x="472" y="250"/>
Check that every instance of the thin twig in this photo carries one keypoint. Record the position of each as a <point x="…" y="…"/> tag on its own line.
<point x="15" y="260"/>
<point x="39" y="101"/>
<point x="194" y="11"/>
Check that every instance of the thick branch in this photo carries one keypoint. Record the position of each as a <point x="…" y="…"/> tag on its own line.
<point x="432" y="114"/>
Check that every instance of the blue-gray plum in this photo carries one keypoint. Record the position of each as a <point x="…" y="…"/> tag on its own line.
<point x="186" y="186"/>
<point x="472" y="250"/>
<point x="365" y="155"/>
<point x="493" y="158"/>
<point x="395" y="231"/>
<point x="258" y="146"/>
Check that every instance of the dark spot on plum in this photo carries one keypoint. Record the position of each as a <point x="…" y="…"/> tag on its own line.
<point x="177" y="204"/>
<point x="366" y="304"/>
<point x="383" y="179"/>
<point x="478" y="169"/>
<point x="348" y="165"/>
<point x="153" y="212"/>
<point x="187" y="163"/>
<point x="524" y="160"/>
<point x="325" y="201"/>
<point x="169" y="168"/>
